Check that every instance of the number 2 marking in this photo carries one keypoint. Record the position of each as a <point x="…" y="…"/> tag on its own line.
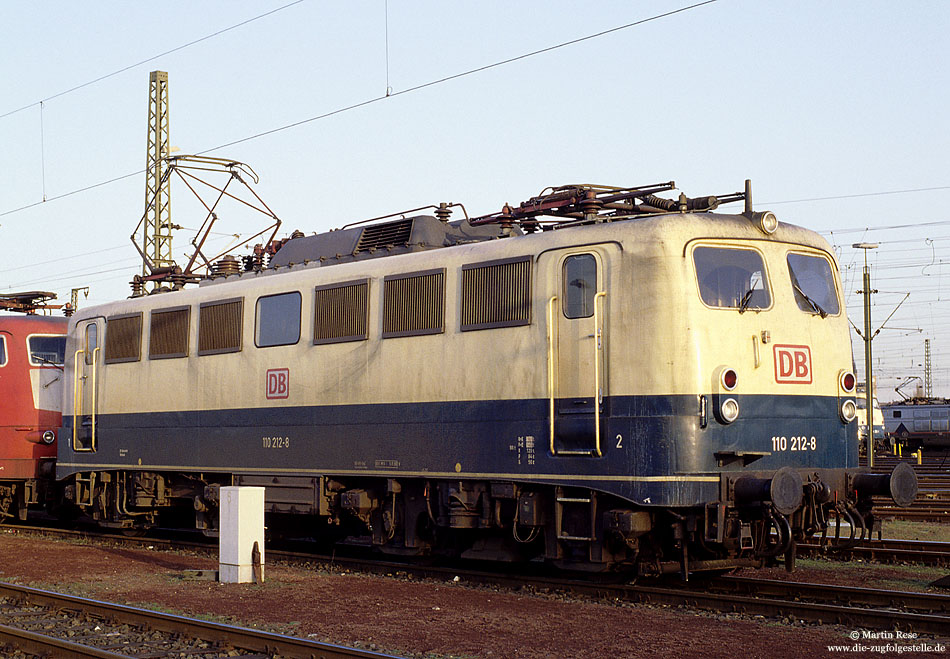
<point x="619" y="441"/>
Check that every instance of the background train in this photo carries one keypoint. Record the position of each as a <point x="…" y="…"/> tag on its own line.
<point x="599" y="377"/>
<point x="919" y="423"/>
<point x="32" y="351"/>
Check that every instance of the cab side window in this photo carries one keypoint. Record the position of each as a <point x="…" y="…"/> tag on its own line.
<point x="47" y="350"/>
<point x="92" y="342"/>
<point x="3" y="351"/>
<point x="580" y="285"/>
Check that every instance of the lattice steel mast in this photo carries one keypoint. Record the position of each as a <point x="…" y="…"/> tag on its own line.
<point x="157" y="228"/>
<point x="928" y="382"/>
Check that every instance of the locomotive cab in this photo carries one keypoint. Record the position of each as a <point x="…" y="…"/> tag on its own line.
<point x="31" y="361"/>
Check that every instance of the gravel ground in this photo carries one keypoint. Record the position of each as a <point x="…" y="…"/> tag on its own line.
<point x="421" y="618"/>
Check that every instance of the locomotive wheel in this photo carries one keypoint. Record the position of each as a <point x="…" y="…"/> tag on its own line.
<point x="134" y="532"/>
<point x="6" y="500"/>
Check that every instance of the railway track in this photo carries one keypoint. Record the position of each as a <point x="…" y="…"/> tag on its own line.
<point x="868" y="608"/>
<point x="924" y="552"/>
<point x="52" y="624"/>
<point x="817" y="603"/>
<point x="920" y="613"/>
<point x="923" y="514"/>
<point x="933" y="498"/>
<point x="887" y="550"/>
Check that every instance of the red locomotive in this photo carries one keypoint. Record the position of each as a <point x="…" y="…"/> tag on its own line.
<point x="32" y="351"/>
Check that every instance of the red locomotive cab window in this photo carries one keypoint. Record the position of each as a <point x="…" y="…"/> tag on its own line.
<point x="92" y="342"/>
<point x="3" y="351"/>
<point x="47" y="350"/>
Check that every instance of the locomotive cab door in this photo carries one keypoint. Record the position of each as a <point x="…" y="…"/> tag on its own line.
<point x="576" y="360"/>
<point x="86" y="376"/>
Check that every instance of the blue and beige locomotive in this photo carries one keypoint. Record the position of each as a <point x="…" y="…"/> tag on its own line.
<point x="599" y="377"/>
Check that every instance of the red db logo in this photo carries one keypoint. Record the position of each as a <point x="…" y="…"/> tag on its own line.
<point x="277" y="384"/>
<point x="792" y="364"/>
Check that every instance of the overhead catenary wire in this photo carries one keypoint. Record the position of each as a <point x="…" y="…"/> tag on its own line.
<point x="377" y="99"/>
<point x="149" y="59"/>
<point x="855" y="196"/>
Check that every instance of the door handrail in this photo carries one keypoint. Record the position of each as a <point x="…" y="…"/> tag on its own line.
<point x="598" y="347"/>
<point x="78" y="396"/>
<point x="551" y="370"/>
<point x="77" y="399"/>
<point x="95" y="369"/>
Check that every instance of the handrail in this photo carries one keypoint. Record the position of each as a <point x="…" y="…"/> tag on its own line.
<point x="95" y="369"/>
<point x="598" y="346"/>
<point x="77" y="398"/>
<point x="551" y="387"/>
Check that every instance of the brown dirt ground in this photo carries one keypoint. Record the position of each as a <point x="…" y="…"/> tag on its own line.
<point x="402" y="616"/>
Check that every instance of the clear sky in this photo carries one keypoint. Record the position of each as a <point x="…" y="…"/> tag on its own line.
<point x="826" y="106"/>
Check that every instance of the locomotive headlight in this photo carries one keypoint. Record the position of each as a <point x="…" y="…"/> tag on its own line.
<point x="729" y="410"/>
<point x="49" y="436"/>
<point x="848" y="411"/>
<point x="846" y="381"/>
<point x="766" y="222"/>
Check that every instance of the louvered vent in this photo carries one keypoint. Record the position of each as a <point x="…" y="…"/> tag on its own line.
<point x="340" y="312"/>
<point x="168" y="334"/>
<point x="413" y="304"/>
<point x="496" y="294"/>
<point x="220" y="326"/>
<point x="123" y="338"/>
<point x="378" y="236"/>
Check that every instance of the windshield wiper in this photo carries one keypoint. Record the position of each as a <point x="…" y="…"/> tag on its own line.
<point x="44" y="360"/>
<point x="746" y="299"/>
<point x="814" y="305"/>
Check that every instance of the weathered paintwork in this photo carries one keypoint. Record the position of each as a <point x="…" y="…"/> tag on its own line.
<point x="475" y="404"/>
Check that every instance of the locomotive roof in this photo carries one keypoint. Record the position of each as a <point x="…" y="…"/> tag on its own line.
<point x="918" y="402"/>
<point x="20" y="322"/>
<point x="565" y="216"/>
<point x="401" y="236"/>
<point x="653" y="233"/>
<point x="425" y="232"/>
<point x="562" y="207"/>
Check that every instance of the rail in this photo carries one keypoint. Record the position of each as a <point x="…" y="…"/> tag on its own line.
<point x="109" y="619"/>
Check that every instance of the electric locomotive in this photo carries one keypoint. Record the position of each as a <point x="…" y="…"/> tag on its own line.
<point x="600" y="377"/>
<point x="919" y="422"/>
<point x="31" y="368"/>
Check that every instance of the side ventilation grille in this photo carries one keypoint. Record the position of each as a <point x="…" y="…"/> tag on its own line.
<point x="168" y="336"/>
<point x="220" y="326"/>
<point x="123" y="338"/>
<point x="383" y="235"/>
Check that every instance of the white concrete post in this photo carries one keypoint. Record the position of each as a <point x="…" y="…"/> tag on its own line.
<point x="241" y="528"/>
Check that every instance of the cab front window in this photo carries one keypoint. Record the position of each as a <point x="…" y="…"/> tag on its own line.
<point x="731" y="278"/>
<point x="813" y="284"/>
